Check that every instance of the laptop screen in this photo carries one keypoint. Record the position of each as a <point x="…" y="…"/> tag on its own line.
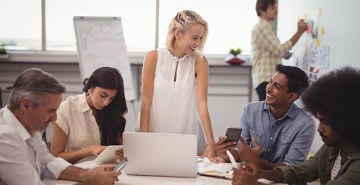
<point x="160" y="154"/>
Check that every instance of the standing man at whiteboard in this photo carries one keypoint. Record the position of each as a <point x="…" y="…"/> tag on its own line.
<point x="175" y="82"/>
<point x="266" y="49"/>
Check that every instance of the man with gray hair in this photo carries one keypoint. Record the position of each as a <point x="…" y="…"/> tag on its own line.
<point x="24" y="157"/>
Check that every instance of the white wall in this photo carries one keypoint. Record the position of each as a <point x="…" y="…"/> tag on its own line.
<point x="340" y="20"/>
<point x="342" y="27"/>
<point x="228" y="87"/>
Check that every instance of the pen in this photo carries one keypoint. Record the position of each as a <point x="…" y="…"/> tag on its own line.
<point x="232" y="160"/>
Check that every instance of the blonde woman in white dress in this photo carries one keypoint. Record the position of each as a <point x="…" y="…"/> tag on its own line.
<point x="175" y="82"/>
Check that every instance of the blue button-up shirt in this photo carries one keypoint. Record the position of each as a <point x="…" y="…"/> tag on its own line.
<point x="285" y="140"/>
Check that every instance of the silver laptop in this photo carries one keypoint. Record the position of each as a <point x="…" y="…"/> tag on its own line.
<point x="160" y="154"/>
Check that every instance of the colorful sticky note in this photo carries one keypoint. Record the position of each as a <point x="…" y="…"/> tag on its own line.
<point x="317" y="42"/>
<point x="321" y="30"/>
<point x="309" y="27"/>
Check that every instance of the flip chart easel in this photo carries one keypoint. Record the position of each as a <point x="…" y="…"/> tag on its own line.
<point x="100" y="43"/>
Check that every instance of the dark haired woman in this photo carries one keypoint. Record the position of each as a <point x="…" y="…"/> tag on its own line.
<point x="88" y="122"/>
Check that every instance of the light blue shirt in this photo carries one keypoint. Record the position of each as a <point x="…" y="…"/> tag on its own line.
<point x="285" y="140"/>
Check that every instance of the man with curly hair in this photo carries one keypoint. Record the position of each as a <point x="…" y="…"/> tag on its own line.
<point x="334" y="99"/>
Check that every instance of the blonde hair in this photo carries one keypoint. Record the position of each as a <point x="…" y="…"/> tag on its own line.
<point x="182" y="22"/>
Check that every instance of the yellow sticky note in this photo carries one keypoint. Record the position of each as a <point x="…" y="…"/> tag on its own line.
<point x="317" y="42"/>
<point x="321" y="30"/>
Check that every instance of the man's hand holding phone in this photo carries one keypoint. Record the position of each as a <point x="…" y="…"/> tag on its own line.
<point x="119" y="166"/>
<point x="228" y="142"/>
<point x="233" y="134"/>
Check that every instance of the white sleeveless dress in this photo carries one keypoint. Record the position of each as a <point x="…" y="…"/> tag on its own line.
<point x="173" y="108"/>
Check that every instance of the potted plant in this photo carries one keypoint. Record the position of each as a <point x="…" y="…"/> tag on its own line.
<point x="235" y="52"/>
<point x="234" y="57"/>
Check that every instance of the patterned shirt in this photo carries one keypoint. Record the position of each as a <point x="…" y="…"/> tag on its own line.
<point x="286" y="140"/>
<point x="266" y="52"/>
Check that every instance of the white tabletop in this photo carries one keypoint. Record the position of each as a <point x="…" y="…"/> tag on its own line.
<point x="152" y="180"/>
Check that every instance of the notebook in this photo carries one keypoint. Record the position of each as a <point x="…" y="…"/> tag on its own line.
<point x="218" y="170"/>
<point x="160" y="154"/>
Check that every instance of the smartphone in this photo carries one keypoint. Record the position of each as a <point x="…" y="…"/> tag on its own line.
<point x="233" y="134"/>
<point x="121" y="164"/>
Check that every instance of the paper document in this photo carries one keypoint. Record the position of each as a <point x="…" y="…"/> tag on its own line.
<point x="219" y="170"/>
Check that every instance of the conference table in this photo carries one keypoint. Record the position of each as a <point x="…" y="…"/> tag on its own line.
<point x="154" y="180"/>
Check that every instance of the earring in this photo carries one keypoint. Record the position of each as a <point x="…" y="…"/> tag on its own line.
<point x="88" y="93"/>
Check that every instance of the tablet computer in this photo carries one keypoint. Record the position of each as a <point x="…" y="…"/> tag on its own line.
<point x="108" y="155"/>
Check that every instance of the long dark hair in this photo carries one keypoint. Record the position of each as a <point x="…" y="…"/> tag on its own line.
<point x="110" y="119"/>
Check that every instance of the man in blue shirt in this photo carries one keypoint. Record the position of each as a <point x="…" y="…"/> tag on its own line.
<point x="334" y="100"/>
<point x="283" y="130"/>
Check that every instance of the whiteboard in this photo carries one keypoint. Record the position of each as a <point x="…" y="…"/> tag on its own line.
<point x="341" y="37"/>
<point x="101" y="43"/>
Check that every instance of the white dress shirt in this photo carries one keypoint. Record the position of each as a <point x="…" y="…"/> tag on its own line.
<point x="24" y="157"/>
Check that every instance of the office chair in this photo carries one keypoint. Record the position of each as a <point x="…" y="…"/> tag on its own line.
<point x="1" y="105"/>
